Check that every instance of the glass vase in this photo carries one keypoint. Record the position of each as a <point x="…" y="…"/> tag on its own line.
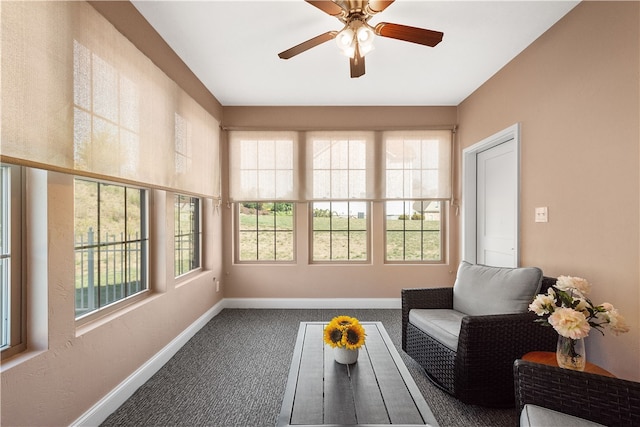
<point x="571" y="354"/>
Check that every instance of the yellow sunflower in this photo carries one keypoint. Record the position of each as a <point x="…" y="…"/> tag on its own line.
<point x="344" y="321"/>
<point x="333" y="335"/>
<point x="353" y="336"/>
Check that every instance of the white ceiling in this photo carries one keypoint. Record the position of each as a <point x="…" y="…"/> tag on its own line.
<point x="233" y="46"/>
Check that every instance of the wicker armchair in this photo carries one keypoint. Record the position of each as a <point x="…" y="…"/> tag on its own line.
<point x="481" y="370"/>
<point x="604" y="400"/>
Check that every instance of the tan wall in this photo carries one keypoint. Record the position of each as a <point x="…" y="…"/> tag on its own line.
<point x="305" y="280"/>
<point x="575" y="92"/>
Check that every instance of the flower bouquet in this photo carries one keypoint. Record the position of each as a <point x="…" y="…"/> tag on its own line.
<point x="346" y="335"/>
<point x="567" y="309"/>
<point x="344" y="331"/>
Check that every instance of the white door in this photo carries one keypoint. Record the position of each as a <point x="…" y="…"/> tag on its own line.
<point x="497" y="205"/>
<point x="490" y="200"/>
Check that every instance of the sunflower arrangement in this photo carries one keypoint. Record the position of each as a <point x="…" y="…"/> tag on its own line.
<point x="344" y="331"/>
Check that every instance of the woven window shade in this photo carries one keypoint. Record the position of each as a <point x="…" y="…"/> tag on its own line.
<point x="417" y="164"/>
<point x="340" y="165"/>
<point x="263" y="166"/>
<point x="79" y="97"/>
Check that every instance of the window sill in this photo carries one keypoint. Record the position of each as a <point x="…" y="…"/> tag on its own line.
<point x="100" y="320"/>
<point x="19" y="359"/>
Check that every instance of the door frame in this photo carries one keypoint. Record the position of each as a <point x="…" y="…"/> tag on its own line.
<point x="469" y="190"/>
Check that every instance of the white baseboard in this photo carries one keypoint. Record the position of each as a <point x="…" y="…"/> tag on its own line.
<point x="116" y="397"/>
<point x="313" y="303"/>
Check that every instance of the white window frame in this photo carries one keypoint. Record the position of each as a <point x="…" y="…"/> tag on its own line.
<point x="441" y="232"/>
<point x="275" y="233"/>
<point x="100" y="308"/>
<point x="193" y="235"/>
<point x="367" y="231"/>
<point x="13" y="293"/>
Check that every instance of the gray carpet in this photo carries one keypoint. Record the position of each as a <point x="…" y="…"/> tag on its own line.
<point x="233" y="372"/>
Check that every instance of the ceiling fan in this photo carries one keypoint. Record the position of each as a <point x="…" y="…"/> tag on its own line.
<point x="356" y="38"/>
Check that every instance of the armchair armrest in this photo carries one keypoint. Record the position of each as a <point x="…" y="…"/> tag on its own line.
<point x="423" y="298"/>
<point x="517" y="331"/>
<point x="490" y="344"/>
<point x="605" y="400"/>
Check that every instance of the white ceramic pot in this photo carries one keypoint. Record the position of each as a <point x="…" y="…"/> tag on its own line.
<point x="344" y="355"/>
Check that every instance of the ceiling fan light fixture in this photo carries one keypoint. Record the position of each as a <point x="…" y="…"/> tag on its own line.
<point x="365" y="36"/>
<point x="346" y="41"/>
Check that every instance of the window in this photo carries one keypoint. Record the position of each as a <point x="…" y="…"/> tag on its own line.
<point x="340" y="231"/>
<point x="417" y="182"/>
<point x="413" y="230"/>
<point x="340" y="170"/>
<point x="5" y="256"/>
<point x="111" y="244"/>
<point x="342" y="175"/>
<point x="187" y="234"/>
<point x="265" y="231"/>
<point x="12" y="339"/>
<point x="263" y="182"/>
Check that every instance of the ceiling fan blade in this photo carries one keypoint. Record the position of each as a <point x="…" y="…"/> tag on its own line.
<point x="377" y="6"/>
<point x="328" y="7"/>
<point x="357" y="65"/>
<point x="409" y="34"/>
<point x="304" y="46"/>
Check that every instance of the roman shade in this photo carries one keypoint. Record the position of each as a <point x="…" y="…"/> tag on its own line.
<point x="263" y="166"/>
<point x="417" y="164"/>
<point x="79" y="97"/>
<point x="340" y="165"/>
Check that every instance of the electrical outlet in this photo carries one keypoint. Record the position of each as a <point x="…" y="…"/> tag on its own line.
<point x="217" y="285"/>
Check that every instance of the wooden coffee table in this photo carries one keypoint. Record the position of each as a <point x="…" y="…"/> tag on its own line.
<point x="376" y="390"/>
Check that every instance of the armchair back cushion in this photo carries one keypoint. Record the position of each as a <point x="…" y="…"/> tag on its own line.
<point x="482" y="290"/>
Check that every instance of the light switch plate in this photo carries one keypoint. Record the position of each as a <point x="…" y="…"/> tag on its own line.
<point x="542" y="214"/>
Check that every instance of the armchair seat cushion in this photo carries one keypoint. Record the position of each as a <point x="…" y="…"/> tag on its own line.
<point x="442" y="324"/>
<point x="537" y="416"/>
<point x="482" y="290"/>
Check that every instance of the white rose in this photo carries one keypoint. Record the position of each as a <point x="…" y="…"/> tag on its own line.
<point x="616" y="321"/>
<point x="575" y="285"/>
<point x="542" y="304"/>
<point x="607" y="306"/>
<point x="569" y="323"/>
